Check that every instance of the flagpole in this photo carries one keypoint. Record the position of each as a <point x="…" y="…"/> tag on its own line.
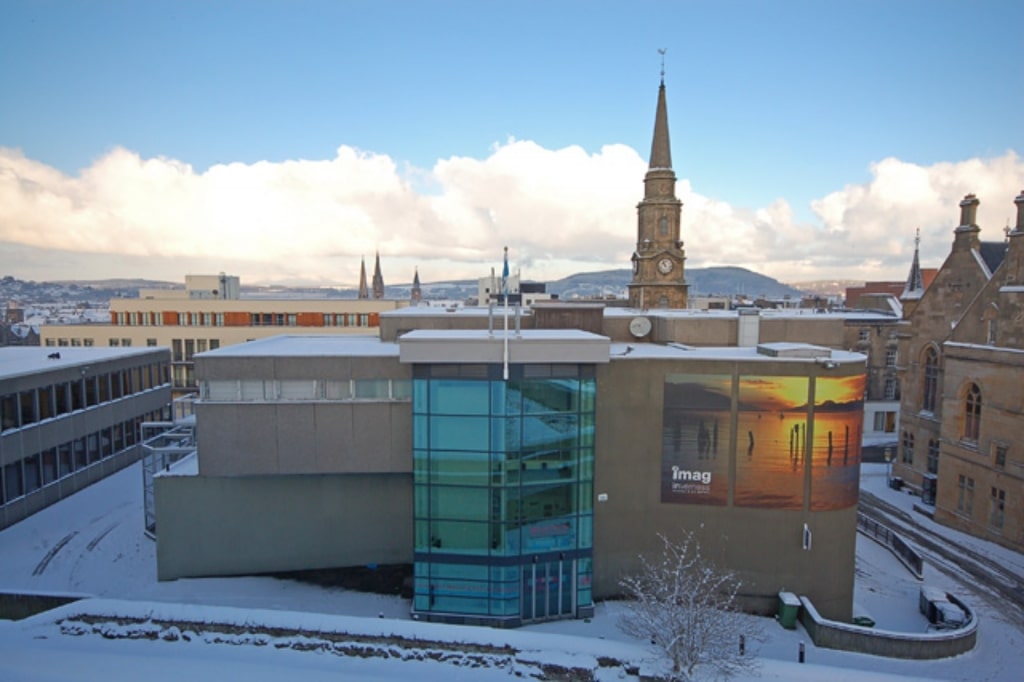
<point x="504" y="290"/>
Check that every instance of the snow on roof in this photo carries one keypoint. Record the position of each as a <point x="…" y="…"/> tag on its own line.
<point x="25" y="360"/>
<point x="481" y="334"/>
<point x="320" y="345"/>
<point x="678" y="351"/>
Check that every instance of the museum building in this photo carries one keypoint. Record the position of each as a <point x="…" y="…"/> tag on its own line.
<point x="521" y="467"/>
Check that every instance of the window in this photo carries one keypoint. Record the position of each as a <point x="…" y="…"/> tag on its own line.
<point x="890" y="357"/>
<point x="997" y="508"/>
<point x="931" y="380"/>
<point x="126" y="342"/>
<point x="933" y="456"/>
<point x="114" y="342"/>
<point x="150" y="342"/>
<point x="373" y="389"/>
<point x="863" y="334"/>
<point x="176" y="350"/>
<point x="293" y="319"/>
<point x="885" y="422"/>
<point x="76" y="342"/>
<point x="89" y="343"/>
<point x="49" y="342"/>
<point x="907" y="453"/>
<point x="991" y="335"/>
<point x="182" y="319"/>
<point x="214" y="344"/>
<point x="965" y="494"/>
<point x="62" y="342"/>
<point x="890" y="388"/>
<point x="972" y="413"/>
<point x="1000" y="450"/>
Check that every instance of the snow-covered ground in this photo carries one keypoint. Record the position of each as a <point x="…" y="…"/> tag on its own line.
<point x="93" y="544"/>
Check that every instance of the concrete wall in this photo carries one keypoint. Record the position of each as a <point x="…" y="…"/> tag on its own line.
<point x="209" y="526"/>
<point x="304" y="437"/>
<point x="846" y="637"/>
<point x="767" y="543"/>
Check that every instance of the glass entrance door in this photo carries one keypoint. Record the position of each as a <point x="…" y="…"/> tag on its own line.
<point x="549" y="590"/>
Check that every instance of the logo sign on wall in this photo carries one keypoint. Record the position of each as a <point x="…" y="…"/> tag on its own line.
<point x="695" y="439"/>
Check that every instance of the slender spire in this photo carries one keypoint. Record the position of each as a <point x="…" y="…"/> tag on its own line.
<point x="364" y="291"/>
<point x="378" y="279"/>
<point x="915" y="280"/>
<point x="661" y="149"/>
<point x="417" y="293"/>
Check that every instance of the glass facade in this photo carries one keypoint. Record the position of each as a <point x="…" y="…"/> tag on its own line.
<point x="503" y="491"/>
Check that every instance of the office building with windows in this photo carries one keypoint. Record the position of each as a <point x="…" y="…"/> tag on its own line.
<point x="72" y="416"/>
<point x="209" y="312"/>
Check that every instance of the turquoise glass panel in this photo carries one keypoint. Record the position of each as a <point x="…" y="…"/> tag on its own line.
<point x="476" y="572"/>
<point x="460" y="536"/>
<point x="550" y="535"/>
<point x="459" y="467"/>
<point x="420" y="391"/>
<point x="458" y="396"/>
<point x="505" y="434"/>
<point x="420" y="431"/>
<point x="459" y="503"/>
<point x="459" y="433"/>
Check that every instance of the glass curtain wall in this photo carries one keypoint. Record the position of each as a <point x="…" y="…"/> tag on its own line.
<point x="503" y="491"/>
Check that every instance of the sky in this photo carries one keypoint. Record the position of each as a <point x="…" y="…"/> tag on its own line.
<point x="285" y="141"/>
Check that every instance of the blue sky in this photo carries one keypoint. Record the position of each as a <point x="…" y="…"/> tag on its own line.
<point x="786" y="101"/>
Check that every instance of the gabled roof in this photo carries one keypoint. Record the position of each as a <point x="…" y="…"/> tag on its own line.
<point x="993" y="253"/>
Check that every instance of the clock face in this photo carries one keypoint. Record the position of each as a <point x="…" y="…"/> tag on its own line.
<point x="665" y="266"/>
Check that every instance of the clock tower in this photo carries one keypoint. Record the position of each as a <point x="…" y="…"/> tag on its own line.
<point x="658" y="277"/>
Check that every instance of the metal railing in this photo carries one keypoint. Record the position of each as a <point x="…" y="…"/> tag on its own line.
<point x="888" y="538"/>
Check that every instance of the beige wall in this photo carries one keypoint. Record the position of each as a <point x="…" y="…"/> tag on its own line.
<point x="262" y="524"/>
<point x="304" y="437"/>
<point x="766" y="543"/>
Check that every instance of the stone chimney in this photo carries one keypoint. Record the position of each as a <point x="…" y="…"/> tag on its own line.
<point x="966" y="235"/>
<point x="969" y="211"/>
<point x="1020" y="212"/>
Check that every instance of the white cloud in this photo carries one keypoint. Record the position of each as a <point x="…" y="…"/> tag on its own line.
<point x="559" y="211"/>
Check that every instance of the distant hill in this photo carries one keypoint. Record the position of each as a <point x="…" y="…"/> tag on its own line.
<point x="724" y="281"/>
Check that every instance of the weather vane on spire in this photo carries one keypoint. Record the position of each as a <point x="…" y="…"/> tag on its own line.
<point x="662" y="51"/>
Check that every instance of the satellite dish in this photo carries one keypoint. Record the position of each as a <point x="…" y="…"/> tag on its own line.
<point x="639" y="327"/>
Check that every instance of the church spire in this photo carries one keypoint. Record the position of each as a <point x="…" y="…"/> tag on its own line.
<point x="661" y="149"/>
<point x="915" y="281"/>
<point x="378" y="279"/>
<point x="417" y="293"/>
<point x="364" y="291"/>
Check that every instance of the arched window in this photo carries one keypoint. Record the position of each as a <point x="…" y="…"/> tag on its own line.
<point x="972" y="413"/>
<point x="931" y="380"/>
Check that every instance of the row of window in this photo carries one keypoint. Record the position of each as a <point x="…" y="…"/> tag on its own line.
<point x="88" y="342"/>
<point x="182" y="350"/>
<point x="996" y="507"/>
<point x="212" y="319"/>
<point x="46" y="402"/>
<point x="257" y="390"/>
<point x="41" y="469"/>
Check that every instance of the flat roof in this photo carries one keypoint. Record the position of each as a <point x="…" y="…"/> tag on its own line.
<point x="678" y="351"/>
<point x="319" y="345"/>
<point x="18" y="361"/>
<point x="568" y="335"/>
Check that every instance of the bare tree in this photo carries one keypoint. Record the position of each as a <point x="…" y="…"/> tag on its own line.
<point x="686" y="607"/>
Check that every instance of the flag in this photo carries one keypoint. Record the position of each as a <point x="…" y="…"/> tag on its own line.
<point x="504" y="275"/>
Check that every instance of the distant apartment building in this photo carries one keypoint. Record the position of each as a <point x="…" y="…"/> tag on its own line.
<point x="71" y="416"/>
<point x="209" y="313"/>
